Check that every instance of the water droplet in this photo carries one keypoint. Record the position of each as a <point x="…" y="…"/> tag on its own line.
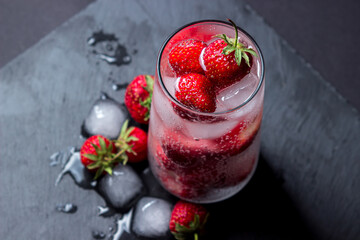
<point x="67" y="208"/>
<point x="100" y="36"/>
<point x="119" y="86"/>
<point x="98" y="235"/>
<point x="82" y="177"/>
<point x="122" y="224"/>
<point x="105" y="211"/>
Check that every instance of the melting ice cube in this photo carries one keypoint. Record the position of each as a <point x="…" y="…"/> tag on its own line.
<point x="236" y="94"/>
<point x="105" y="118"/>
<point x="151" y="218"/>
<point x="122" y="188"/>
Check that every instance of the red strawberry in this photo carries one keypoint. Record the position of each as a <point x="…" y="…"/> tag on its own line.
<point x="195" y="117"/>
<point x="98" y="154"/>
<point x="184" y="57"/>
<point x="133" y="142"/>
<point x="176" y="188"/>
<point x="162" y="160"/>
<point x="186" y="152"/>
<point x="227" y="60"/>
<point x="239" y="138"/>
<point x="139" y="146"/>
<point x="206" y="176"/>
<point x="138" y="98"/>
<point x="187" y="219"/>
<point x="196" y="91"/>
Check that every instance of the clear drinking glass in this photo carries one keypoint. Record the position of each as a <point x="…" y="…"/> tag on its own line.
<point x="206" y="157"/>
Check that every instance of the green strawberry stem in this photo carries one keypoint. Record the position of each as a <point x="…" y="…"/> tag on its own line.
<point x="184" y="232"/>
<point x="236" y="32"/>
<point x="196" y="236"/>
<point x="122" y="143"/>
<point x="233" y="44"/>
<point x="102" y="160"/>
<point x="116" y="156"/>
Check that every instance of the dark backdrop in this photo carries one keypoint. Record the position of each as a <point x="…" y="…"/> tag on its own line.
<point x="325" y="32"/>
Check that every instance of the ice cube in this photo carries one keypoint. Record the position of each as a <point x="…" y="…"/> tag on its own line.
<point x="122" y="188"/>
<point x="236" y="94"/>
<point x="105" y="118"/>
<point x="198" y="130"/>
<point x="151" y="218"/>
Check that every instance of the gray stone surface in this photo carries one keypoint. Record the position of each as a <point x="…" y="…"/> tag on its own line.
<point x="310" y="134"/>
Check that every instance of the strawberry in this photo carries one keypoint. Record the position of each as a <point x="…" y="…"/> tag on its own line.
<point x="138" y="98"/>
<point x="133" y="142"/>
<point x="184" y="57"/>
<point x="98" y="154"/>
<point x="196" y="91"/>
<point x="223" y="60"/>
<point x="187" y="152"/>
<point x="162" y="160"/>
<point x="187" y="219"/>
<point x="239" y="138"/>
<point x="206" y="176"/>
<point x="184" y="151"/>
<point x="176" y="188"/>
<point x="195" y="117"/>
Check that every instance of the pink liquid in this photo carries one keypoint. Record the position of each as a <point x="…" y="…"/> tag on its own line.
<point x="206" y="157"/>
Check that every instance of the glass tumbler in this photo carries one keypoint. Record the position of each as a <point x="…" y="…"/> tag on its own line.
<point x="206" y="157"/>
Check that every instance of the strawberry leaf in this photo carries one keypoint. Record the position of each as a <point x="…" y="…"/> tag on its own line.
<point x="94" y="165"/>
<point x="238" y="56"/>
<point x="149" y="84"/>
<point x="233" y="44"/>
<point x="91" y="157"/>
<point x="102" y="143"/>
<point x="193" y="225"/>
<point x="99" y="172"/>
<point x="108" y="170"/>
<point x="249" y="50"/>
<point x="95" y="146"/>
<point x="228" y="49"/>
<point x="180" y="236"/>
<point x="110" y="148"/>
<point x="125" y="159"/>
<point x="246" y="58"/>
<point x="147" y="102"/>
<point x="130" y="150"/>
<point x="123" y="130"/>
<point x="132" y="138"/>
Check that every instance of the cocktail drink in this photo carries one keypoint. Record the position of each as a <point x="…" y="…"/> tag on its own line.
<point x="204" y="132"/>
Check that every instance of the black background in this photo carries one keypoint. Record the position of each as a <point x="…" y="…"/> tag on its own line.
<point x="325" y="32"/>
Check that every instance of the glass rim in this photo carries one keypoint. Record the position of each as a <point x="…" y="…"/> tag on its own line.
<point x="174" y="100"/>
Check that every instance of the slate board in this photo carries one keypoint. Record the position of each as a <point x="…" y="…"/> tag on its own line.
<point x="307" y="183"/>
